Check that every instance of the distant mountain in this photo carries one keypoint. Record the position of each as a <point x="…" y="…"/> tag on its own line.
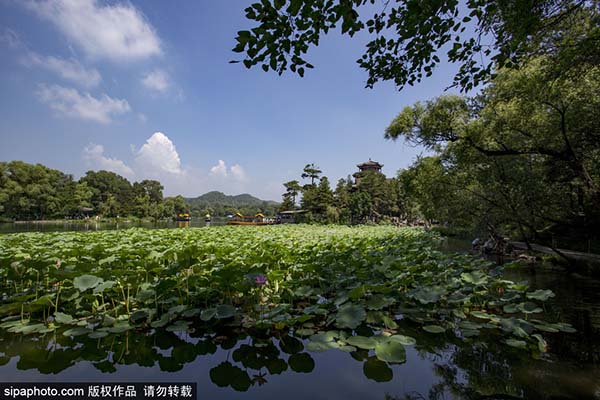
<point x="219" y="198"/>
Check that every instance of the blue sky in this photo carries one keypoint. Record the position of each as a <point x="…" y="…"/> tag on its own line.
<point x="145" y="89"/>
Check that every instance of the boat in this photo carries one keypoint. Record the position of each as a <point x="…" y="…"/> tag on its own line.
<point x="239" y="219"/>
<point x="183" y="217"/>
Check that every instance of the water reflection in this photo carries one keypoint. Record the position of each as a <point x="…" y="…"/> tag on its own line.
<point x="230" y="363"/>
<point x="237" y="362"/>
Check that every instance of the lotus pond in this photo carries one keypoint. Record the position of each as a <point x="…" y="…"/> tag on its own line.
<point x="328" y="312"/>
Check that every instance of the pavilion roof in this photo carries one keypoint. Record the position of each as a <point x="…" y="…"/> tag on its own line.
<point x="370" y="163"/>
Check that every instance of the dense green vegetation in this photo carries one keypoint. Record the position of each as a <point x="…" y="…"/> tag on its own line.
<point x="407" y="38"/>
<point x="523" y="157"/>
<point x="341" y="287"/>
<point x="220" y="204"/>
<point x="36" y="192"/>
<point x="520" y="158"/>
<point x="368" y="197"/>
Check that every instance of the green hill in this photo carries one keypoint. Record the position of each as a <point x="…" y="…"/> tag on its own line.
<point x="220" y="204"/>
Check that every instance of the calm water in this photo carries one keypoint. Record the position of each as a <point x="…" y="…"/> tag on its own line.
<point x="230" y="365"/>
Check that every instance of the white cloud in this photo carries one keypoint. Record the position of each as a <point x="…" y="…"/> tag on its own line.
<point x="142" y="117"/>
<point x="219" y="170"/>
<point x="10" y="38"/>
<point x="238" y="172"/>
<point x="94" y="155"/>
<point x="157" y="80"/>
<point x="159" y="154"/>
<point x="235" y="172"/>
<point x="158" y="159"/>
<point x="71" y="70"/>
<point x="118" y="32"/>
<point x="82" y="105"/>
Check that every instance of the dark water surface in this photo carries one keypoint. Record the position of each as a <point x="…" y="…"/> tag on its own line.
<point x="230" y="365"/>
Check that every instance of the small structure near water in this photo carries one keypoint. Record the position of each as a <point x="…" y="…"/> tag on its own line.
<point x="183" y="217"/>
<point x="289" y="217"/>
<point x="239" y="219"/>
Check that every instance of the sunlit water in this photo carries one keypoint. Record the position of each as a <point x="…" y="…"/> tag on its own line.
<point x="230" y="365"/>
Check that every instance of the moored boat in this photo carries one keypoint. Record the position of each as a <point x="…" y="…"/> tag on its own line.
<point x="239" y="219"/>
<point x="183" y="217"/>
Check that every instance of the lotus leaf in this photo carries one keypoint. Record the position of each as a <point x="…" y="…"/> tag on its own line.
<point x="434" y="329"/>
<point x="361" y="342"/>
<point x="540" y="294"/>
<point x="390" y="351"/>
<point x="350" y="316"/>
<point x="85" y="282"/>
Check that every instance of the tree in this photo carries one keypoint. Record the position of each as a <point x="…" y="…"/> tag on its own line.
<point x="341" y="196"/>
<point x="109" y="206"/>
<point x="360" y="207"/>
<point x="524" y="156"/>
<point x="324" y="193"/>
<point x="288" y="203"/>
<point x="407" y="36"/>
<point x="292" y="190"/>
<point x="179" y="205"/>
<point x="106" y="183"/>
<point x="152" y="188"/>
<point x="312" y="172"/>
<point x="33" y="191"/>
<point x="82" y="196"/>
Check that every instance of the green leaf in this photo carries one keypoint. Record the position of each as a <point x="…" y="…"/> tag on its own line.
<point x="529" y="308"/>
<point x="85" y="282"/>
<point x="476" y="277"/>
<point x="428" y="295"/>
<point x="120" y="327"/>
<point x="208" y="314"/>
<point x="62" y="318"/>
<point x="350" y="316"/>
<point x="225" y="311"/>
<point x="480" y="314"/>
<point x="378" y="301"/>
<point x="405" y="340"/>
<point x="541" y="295"/>
<point x="103" y="286"/>
<point x="390" y="351"/>
<point x="294" y="7"/>
<point x="97" y="335"/>
<point x="78" y="331"/>
<point x="434" y="329"/>
<point x="361" y="342"/>
<point x="516" y="343"/>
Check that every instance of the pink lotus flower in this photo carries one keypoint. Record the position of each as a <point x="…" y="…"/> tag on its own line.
<point x="260" y="279"/>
